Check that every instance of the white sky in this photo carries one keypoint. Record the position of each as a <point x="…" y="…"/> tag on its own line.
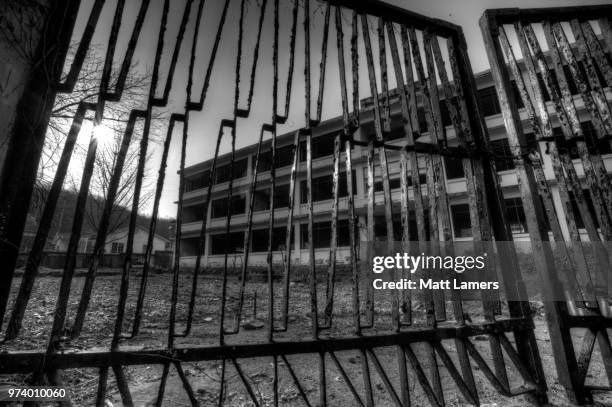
<point x="219" y="104"/>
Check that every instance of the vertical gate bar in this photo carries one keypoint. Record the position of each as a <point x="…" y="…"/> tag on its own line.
<point x="103" y="227"/>
<point x="72" y="76"/>
<point x="101" y="237"/>
<point x="323" y="64"/>
<point x="124" y="391"/>
<point x="102" y="383"/>
<point x="432" y="198"/>
<point x="590" y="78"/>
<point x="543" y="129"/>
<point x="287" y="263"/>
<point x="222" y="384"/>
<point x="379" y="139"/>
<point x="381" y="372"/>
<point x="162" y="385"/>
<point x="311" y="247"/>
<point x="247" y="235"/>
<point x="599" y="49"/>
<point x="64" y="293"/>
<point x="331" y="271"/>
<point x="269" y="258"/>
<point x="283" y="118"/>
<point x="565" y="163"/>
<point x="386" y="129"/>
<point x="202" y="240"/>
<point x="430" y="393"/>
<point x="468" y="390"/>
<point x="423" y="89"/>
<point x="351" y="123"/>
<point x="186" y="384"/>
<point x="153" y="225"/>
<point x="347" y="379"/>
<point x="477" y="226"/>
<point x="296" y="381"/>
<point x="560" y="337"/>
<point x="408" y="101"/>
<point x="44" y="227"/>
<point x="594" y="168"/>
<point x="606" y="31"/>
<point x="355" y="67"/>
<point x="25" y="143"/>
<point x="442" y="142"/>
<point x="406" y="302"/>
<point x="566" y="112"/>
<point x="346" y="138"/>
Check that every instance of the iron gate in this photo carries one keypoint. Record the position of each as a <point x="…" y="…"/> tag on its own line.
<point x="560" y="78"/>
<point x="428" y="59"/>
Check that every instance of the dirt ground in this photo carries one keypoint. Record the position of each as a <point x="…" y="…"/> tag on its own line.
<point x="204" y="377"/>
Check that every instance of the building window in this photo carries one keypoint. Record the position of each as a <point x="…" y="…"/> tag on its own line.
<point x="193" y="213"/>
<point x="489" y="104"/>
<point x="454" y="167"/>
<point x="322" y="146"/>
<point x="220" y="207"/>
<point x="284" y="158"/>
<point x="197" y="181"/>
<point x="322" y="188"/>
<point x="461" y="220"/>
<point x="224" y="172"/>
<point x="189" y="246"/>
<point x="259" y="240"/>
<point x="234" y="243"/>
<point x="394" y="183"/>
<point x="117" y="248"/>
<point x="281" y="198"/>
<point x="515" y="215"/>
<point x="445" y="113"/>
<point x="502" y="154"/>
<point x="576" y="211"/>
<point x="321" y="233"/>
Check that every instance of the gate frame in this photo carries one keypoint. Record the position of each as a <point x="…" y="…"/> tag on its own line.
<point x="570" y="367"/>
<point x="520" y="322"/>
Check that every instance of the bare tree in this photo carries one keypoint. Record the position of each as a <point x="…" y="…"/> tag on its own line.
<point x="116" y="115"/>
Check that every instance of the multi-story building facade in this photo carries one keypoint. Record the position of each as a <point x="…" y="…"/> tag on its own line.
<point x="197" y="176"/>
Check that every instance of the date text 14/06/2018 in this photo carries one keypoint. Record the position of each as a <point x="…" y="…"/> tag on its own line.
<point x="431" y="284"/>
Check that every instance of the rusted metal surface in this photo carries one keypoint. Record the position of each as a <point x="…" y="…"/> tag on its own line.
<point x="427" y="60"/>
<point x="557" y="67"/>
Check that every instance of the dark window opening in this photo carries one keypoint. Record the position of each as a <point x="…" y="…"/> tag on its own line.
<point x="234" y="243"/>
<point x="461" y="220"/>
<point x="197" y="181"/>
<point x="515" y="215"/>
<point x="517" y="94"/>
<point x="576" y="211"/>
<point x="543" y="88"/>
<point x="322" y="188"/>
<point x="259" y="240"/>
<point x="502" y="154"/>
<point x="454" y="167"/>
<point x="224" y="172"/>
<point x="237" y="207"/>
<point x="284" y="158"/>
<point x="321" y="233"/>
<point x="489" y="104"/>
<point x="394" y="183"/>
<point x="322" y="146"/>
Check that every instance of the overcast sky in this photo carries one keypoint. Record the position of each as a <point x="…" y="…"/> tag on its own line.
<point x="204" y="125"/>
